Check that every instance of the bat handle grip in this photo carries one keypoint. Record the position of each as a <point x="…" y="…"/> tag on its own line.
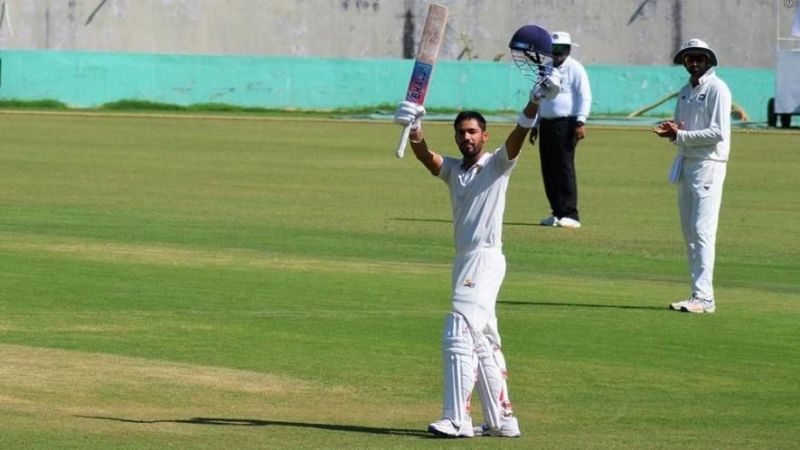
<point x="401" y="149"/>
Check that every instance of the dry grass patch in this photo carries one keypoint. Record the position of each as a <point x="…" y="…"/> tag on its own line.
<point x="166" y="255"/>
<point x="71" y="383"/>
<point x="108" y="399"/>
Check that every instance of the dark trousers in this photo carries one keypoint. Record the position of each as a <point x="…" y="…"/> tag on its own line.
<point x="557" y="156"/>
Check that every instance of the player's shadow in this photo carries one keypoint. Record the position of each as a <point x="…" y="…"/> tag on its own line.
<point x="580" y="305"/>
<point x="223" y="421"/>
<point x="449" y="221"/>
<point x="414" y="219"/>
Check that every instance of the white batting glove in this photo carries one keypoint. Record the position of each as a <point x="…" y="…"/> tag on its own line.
<point x="548" y="89"/>
<point x="409" y="113"/>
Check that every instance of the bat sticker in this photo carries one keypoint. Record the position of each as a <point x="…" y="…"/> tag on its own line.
<point x="418" y="86"/>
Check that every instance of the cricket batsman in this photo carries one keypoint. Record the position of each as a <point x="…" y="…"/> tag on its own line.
<point x="471" y="347"/>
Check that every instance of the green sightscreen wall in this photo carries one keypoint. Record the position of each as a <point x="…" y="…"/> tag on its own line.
<point x="90" y="79"/>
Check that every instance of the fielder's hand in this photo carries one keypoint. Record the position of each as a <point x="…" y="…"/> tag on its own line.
<point x="548" y="89"/>
<point x="667" y="129"/>
<point x="409" y="113"/>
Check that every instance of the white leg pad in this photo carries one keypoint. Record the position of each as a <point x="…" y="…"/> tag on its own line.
<point x="459" y="361"/>
<point x="492" y="385"/>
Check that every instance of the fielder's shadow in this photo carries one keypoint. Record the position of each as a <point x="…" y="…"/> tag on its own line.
<point x="579" y="305"/>
<point x="223" y="421"/>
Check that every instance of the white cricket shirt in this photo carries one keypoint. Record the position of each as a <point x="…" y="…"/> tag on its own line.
<point x="575" y="97"/>
<point x="478" y="198"/>
<point x="703" y="114"/>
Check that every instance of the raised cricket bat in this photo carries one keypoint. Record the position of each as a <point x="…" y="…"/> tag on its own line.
<point x="428" y="51"/>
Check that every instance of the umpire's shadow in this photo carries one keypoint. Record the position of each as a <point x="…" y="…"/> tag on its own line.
<point x="223" y="421"/>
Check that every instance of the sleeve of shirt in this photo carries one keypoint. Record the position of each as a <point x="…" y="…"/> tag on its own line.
<point x="583" y="91"/>
<point x="447" y="166"/>
<point x="501" y="161"/>
<point x="718" y="114"/>
<point x="676" y="116"/>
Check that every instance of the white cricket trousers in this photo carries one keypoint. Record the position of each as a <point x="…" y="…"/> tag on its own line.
<point x="477" y="277"/>
<point x="478" y="358"/>
<point x="699" y="200"/>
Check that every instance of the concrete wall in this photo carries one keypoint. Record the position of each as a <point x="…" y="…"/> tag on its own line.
<point x="630" y="32"/>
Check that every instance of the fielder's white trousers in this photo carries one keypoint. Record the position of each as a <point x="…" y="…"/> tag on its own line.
<point x="477" y="277"/>
<point x="699" y="200"/>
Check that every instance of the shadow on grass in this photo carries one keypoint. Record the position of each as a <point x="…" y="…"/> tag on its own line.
<point x="222" y="421"/>
<point x="449" y="221"/>
<point x="581" y="305"/>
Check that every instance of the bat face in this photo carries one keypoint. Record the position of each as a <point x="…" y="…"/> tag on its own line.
<point x="432" y="34"/>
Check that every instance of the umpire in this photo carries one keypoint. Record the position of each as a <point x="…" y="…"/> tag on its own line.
<point x="561" y="121"/>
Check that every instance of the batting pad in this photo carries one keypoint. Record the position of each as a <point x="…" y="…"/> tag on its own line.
<point x="459" y="361"/>
<point x="492" y="385"/>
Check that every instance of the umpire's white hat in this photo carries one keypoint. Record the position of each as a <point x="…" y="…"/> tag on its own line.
<point x="695" y="46"/>
<point x="563" y="38"/>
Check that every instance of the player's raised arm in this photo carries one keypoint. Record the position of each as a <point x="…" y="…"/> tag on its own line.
<point x="532" y="51"/>
<point x="548" y="88"/>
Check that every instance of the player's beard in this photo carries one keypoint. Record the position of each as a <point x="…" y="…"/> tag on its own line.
<point x="470" y="149"/>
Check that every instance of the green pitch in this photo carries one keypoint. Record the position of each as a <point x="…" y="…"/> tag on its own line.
<point x="196" y="282"/>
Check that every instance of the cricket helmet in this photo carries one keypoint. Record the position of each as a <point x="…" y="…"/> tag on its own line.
<point x="697" y="47"/>
<point x="532" y="39"/>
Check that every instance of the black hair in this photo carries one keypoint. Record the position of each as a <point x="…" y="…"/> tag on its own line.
<point x="467" y="115"/>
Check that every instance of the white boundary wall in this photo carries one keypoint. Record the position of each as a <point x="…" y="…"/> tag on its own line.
<point x="638" y="32"/>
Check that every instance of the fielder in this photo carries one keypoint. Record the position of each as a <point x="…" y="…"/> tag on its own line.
<point x="702" y="132"/>
<point x="471" y="352"/>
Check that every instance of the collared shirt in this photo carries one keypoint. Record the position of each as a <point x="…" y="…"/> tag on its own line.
<point x="478" y="198"/>
<point x="703" y="114"/>
<point x="575" y="97"/>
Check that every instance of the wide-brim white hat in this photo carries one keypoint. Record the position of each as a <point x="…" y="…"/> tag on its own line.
<point x="695" y="46"/>
<point x="563" y="38"/>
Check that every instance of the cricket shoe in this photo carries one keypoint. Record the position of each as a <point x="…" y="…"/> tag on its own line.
<point x="550" y="221"/>
<point x="567" y="222"/>
<point x="446" y="428"/>
<point x="694" y="305"/>
<point x="508" y="428"/>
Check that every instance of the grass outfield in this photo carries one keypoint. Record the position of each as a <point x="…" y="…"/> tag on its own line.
<point x="213" y="283"/>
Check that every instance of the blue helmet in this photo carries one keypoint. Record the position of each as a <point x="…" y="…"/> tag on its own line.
<point x="532" y="39"/>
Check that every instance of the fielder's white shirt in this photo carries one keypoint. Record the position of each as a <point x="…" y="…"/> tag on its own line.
<point x="704" y="116"/>
<point x="575" y="97"/>
<point x="478" y="198"/>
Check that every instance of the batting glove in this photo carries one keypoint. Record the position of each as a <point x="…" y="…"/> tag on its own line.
<point x="548" y="89"/>
<point x="409" y="113"/>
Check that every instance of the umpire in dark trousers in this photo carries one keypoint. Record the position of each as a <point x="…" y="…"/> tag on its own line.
<point x="559" y="126"/>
